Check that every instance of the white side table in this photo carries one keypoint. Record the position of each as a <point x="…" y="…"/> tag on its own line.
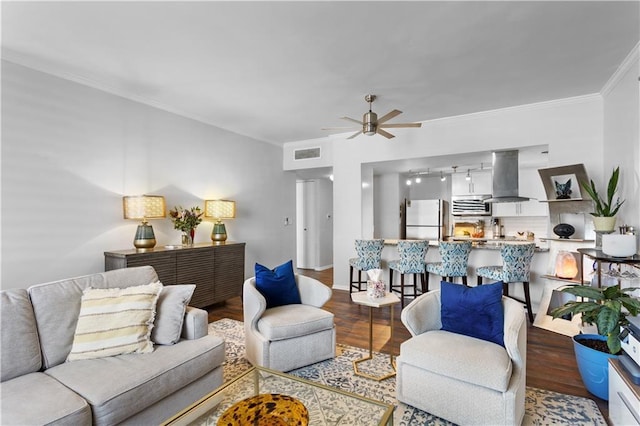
<point x="390" y="299"/>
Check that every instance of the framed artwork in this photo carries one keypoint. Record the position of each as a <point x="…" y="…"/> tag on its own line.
<point x="566" y="187"/>
<point x="552" y="298"/>
<point x="563" y="183"/>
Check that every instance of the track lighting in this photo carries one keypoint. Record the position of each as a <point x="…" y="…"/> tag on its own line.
<point x="442" y="177"/>
<point x="418" y="179"/>
<point x="408" y="182"/>
<point x="468" y="176"/>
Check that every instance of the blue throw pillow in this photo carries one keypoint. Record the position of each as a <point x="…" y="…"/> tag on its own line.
<point x="278" y="285"/>
<point x="473" y="311"/>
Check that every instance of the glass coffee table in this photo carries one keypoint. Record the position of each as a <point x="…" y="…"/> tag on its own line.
<point x="326" y="405"/>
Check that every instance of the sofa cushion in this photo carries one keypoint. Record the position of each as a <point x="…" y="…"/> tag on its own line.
<point x="56" y="306"/>
<point x="278" y="286"/>
<point x="38" y="399"/>
<point x="121" y="386"/>
<point x="19" y="343"/>
<point x="473" y="311"/>
<point x="286" y="322"/>
<point x="115" y="321"/>
<point x="460" y="357"/>
<point x="170" y="311"/>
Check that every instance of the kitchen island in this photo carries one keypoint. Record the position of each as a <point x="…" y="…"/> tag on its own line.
<point x="485" y="251"/>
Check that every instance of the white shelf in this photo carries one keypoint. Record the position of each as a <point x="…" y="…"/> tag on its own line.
<point x="567" y="240"/>
<point x="564" y="201"/>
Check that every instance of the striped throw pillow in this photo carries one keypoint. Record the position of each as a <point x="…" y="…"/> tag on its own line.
<point x="115" y="321"/>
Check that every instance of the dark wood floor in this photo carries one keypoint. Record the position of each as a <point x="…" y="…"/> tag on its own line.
<point x="550" y="360"/>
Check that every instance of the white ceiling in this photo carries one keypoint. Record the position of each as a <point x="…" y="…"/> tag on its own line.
<point x="280" y="71"/>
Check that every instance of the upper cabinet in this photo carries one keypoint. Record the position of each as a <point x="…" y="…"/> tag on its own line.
<point x="480" y="183"/>
<point x="529" y="185"/>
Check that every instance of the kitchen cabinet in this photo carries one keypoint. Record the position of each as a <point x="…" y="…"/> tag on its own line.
<point x="522" y="208"/>
<point x="216" y="270"/>
<point x="479" y="184"/>
<point x="624" y="396"/>
<point x="529" y="185"/>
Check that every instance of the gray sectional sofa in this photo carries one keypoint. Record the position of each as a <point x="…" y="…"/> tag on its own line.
<point x="39" y="387"/>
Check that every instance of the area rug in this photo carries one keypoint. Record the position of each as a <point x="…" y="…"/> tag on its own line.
<point x="542" y="407"/>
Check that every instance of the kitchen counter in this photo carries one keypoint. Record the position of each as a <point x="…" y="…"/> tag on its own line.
<point x="482" y="254"/>
<point x="478" y="243"/>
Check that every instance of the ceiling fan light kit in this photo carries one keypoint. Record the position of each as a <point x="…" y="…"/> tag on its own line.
<point x="372" y="125"/>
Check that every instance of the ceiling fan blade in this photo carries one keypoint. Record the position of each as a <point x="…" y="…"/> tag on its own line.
<point x="389" y="116"/>
<point x="389" y="125"/>
<point x="340" y="128"/>
<point x="355" y="134"/>
<point x="352" y="119"/>
<point x="384" y="133"/>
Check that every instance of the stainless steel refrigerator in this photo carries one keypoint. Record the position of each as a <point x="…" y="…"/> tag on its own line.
<point x="426" y="219"/>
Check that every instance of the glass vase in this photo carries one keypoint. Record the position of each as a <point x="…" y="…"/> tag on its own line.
<point x="187" y="241"/>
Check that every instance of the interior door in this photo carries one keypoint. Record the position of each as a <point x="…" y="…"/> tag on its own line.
<point x="305" y="225"/>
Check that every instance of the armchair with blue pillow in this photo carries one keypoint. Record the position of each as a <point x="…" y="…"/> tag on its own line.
<point x="466" y="359"/>
<point x="285" y="327"/>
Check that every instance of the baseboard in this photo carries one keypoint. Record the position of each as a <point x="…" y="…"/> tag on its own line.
<point x="323" y="268"/>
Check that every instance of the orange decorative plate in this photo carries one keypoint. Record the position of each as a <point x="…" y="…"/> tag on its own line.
<point x="268" y="409"/>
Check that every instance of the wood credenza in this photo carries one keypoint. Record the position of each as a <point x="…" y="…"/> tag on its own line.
<point x="216" y="270"/>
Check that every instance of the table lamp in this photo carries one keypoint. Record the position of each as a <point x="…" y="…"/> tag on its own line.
<point x="219" y="209"/>
<point x="144" y="207"/>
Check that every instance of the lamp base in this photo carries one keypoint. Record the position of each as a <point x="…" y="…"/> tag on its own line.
<point x="219" y="233"/>
<point x="145" y="238"/>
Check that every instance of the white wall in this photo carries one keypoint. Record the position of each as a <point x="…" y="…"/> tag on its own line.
<point x="325" y="223"/>
<point x="387" y="199"/>
<point x="431" y="188"/>
<point x="622" y="136"/>
<point x="70" y="152"/>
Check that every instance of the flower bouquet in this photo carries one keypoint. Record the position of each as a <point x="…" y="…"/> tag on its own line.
<point x="186" y="221"/>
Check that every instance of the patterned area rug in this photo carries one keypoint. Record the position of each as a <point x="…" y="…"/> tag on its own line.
<point x="542" y="407"/>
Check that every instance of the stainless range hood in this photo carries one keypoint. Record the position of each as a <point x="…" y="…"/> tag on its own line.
<point x="505" y="178"/>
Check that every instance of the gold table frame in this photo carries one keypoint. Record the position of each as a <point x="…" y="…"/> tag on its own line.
<point x="390" y="300"/>
<point x="251" y="383"/>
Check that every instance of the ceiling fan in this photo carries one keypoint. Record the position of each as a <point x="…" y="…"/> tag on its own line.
<point x="372" y="125"/>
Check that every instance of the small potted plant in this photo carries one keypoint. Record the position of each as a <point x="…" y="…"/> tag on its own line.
<point x="607" y="308"/>
<point x="605" y="211"/>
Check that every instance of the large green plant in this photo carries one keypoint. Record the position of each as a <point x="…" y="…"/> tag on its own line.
<point x="605" y="208"/>
<point x="602" y="307"/>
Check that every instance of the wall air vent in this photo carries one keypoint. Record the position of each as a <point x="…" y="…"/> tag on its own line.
<point x="306" y="154"/>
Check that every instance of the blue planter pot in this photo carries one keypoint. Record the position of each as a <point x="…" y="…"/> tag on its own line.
<point x="593" y="365"/>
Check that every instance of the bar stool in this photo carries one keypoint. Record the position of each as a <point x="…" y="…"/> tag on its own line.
<point x="516" y="263"/>
<point x="369" y="254"/>
<point x="412" y="253"/>
<point x="455" y="257"/>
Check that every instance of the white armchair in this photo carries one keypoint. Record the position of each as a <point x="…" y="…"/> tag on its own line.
<point x="459" y="378"/>
<point x="287" y="337"/>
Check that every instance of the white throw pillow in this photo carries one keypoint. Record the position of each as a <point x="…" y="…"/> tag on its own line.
<point x="171" y="307"/>
<point x="115" y="321"/>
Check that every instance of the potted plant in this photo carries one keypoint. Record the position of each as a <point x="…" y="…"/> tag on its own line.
<point x="605" y="212"/>
<point x="607" y="308"/>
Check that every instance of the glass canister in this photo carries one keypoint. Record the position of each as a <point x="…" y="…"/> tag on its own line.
<point x="478" y="230"/>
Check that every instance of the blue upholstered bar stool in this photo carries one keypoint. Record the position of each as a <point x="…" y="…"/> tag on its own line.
<point x="412" y="253"/>
<point x="516" y="263"/>
<point x="455" y="257"/>
<point x="369" y="254"/>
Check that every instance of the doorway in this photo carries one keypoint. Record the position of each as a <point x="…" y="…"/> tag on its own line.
<point x="314" y="224"/>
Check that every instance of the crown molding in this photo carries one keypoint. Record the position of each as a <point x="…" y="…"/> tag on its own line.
<point x="525" y="107"/>
<point x="623" y="69"/>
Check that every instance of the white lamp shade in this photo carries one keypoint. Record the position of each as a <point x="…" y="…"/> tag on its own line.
<point x="220" y="209"/>
<point x="143" y="207"/>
